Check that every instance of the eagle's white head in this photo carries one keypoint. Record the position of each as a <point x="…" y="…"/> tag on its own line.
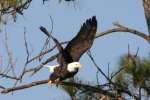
<point x="73" y="66"/>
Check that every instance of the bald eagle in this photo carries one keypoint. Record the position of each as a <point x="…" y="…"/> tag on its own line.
<point x="69" y="56"/>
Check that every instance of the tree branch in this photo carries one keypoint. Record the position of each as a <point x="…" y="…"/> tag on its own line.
<point x="77" y="85"/>
<point x="10" y="77"/>
<point x="121" y="28"/>
<point x="29" y="85"/>
<point x="18" y="9"/>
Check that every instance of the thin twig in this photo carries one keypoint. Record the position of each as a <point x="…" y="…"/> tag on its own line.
<point x="10" y="55"/>
<point x="97" y="78"/>
<point x="52" y="24"/>
<point x="45" y="52"/>
<point x="108" y="70"/>
<point x="92" y="59"/>
<point x="116" y="73"/>
<point x="44" y="30"/>
<point x="10" y="77"/>
<point x="38" y="67"/>
<point x="26" y="46"/>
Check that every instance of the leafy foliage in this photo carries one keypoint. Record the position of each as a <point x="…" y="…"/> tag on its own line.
<point x="70" y="90"/>
<point x="77" y="94"/>
<point x="10" y="7"/>
<point x="135" y="73"/>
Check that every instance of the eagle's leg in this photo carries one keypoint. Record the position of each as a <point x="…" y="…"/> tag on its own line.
<point x="53" y="77"/>
<point x="50" y="82"/>
<point x="57" y="82"/>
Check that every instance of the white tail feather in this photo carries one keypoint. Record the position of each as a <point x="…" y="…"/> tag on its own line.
<point x="51" y="68"/>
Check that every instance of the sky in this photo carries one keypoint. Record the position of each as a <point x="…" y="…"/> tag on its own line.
<point x="67" y="20"/>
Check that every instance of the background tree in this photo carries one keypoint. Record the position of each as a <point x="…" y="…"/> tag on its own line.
<point x="135" y="74"/>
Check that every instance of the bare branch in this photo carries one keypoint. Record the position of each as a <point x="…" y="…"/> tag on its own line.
<point x="10" y="77"/>
<point x="29" y="85"/>
<point x="45" y="52"/>
<point x="2" y="87"/>
<point x="26" y="46"/>
<point x="121" y="28"/>
<point x="38" y="67"/>
<point x="116" y="73"/>
<point x="51" y="19"/>
<point x="91" y="57"/>
<point x="97" y="78"/>
<point x="77" y="85"/>
<point x="10" y="55"/>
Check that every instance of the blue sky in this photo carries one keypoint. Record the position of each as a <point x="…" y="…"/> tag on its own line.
<point x="67" y="21"/>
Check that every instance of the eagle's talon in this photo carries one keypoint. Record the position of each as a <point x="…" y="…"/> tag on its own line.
<point x="56" y="82"/>
<point x="49" y="82"/>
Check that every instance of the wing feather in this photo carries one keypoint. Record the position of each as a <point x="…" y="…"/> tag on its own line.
<point x="83" y="41"/>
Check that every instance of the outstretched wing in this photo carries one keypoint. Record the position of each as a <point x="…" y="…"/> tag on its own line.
<point x="83" y="41"/>
<point x="146" y="4"/>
